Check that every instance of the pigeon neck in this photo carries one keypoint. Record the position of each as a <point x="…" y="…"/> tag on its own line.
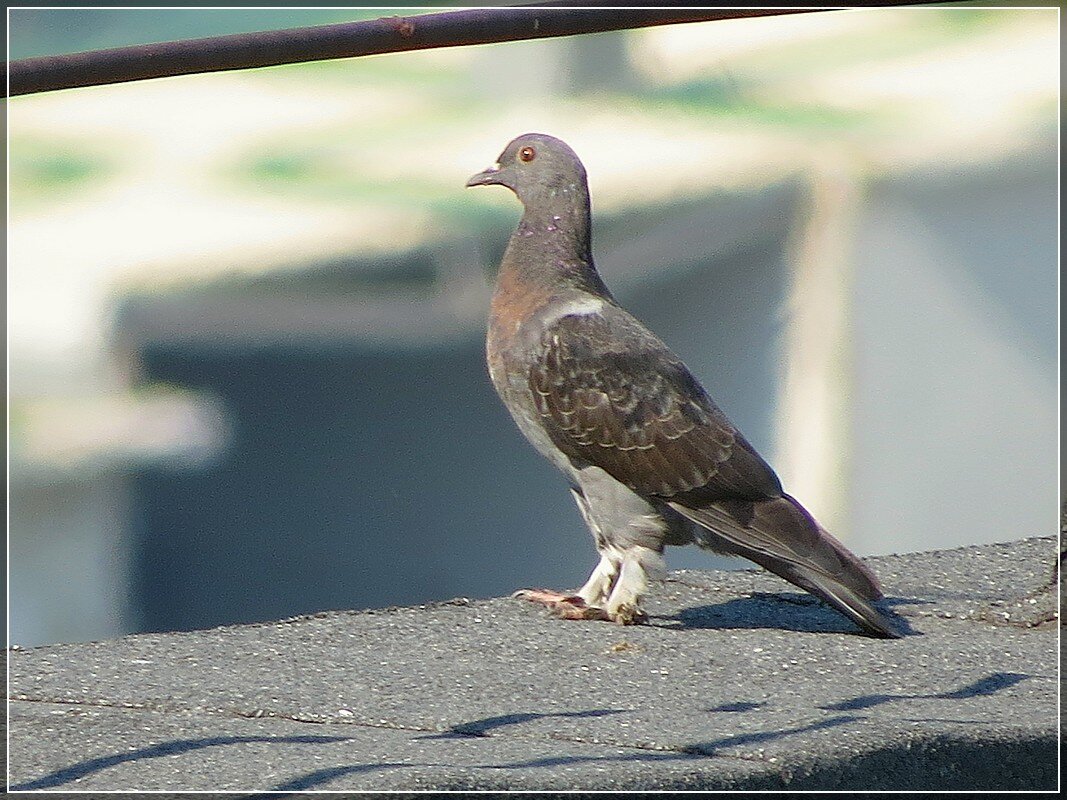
<point x="559" y="225"/>
<point x="552" y="245"/>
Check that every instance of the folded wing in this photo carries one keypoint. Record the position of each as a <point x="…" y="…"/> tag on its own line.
<point x="612" y="395"/>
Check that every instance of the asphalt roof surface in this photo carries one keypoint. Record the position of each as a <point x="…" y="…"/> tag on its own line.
<point x="738" y="682"/>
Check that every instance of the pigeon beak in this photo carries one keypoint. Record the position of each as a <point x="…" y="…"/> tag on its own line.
<point x="486" y="177"/>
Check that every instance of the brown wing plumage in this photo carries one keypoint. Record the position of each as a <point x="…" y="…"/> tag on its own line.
<point x="611" y="394"/>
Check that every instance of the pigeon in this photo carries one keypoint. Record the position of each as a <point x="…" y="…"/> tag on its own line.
<point x="650" y="458"/>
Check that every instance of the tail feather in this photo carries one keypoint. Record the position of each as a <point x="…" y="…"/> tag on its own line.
<point x="833" y="592"/>
<point x="781" y="536"/>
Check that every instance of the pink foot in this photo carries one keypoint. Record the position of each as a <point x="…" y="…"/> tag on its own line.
<point x="567" y="606"/>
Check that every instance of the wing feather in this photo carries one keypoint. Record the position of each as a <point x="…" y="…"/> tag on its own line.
<point x="611" y="394"/>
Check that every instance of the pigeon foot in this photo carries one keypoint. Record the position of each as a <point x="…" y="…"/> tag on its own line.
<point x="565" y="606"/>
<point x="628" y="615"/>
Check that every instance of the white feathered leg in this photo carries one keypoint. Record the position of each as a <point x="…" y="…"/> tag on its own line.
<point x="598" y="588"/>
<point x="629" y="534"/>
<point x="640" y="566"/>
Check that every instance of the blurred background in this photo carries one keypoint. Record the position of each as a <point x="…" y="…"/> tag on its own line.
<point x="247" y="310"/>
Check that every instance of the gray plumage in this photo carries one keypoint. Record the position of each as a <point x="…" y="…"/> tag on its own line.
<point x="651" y="460"/>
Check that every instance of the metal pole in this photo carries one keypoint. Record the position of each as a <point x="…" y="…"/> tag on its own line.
<point x="346" y="40"/>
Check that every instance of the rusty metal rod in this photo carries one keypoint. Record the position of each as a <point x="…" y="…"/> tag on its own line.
<point x="347" y="40"/>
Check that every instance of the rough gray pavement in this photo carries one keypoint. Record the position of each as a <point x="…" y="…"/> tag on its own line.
<point x="737" y="683"/>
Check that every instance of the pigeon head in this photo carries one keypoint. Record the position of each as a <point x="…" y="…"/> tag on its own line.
<point x="540" y="169"/>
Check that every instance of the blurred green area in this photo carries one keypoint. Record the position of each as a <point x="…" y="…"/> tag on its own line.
<point x="314" y="165"/>
<point x="51" y="31"/>
<point x="320" y="174"/>
<point x="43" y="171"/>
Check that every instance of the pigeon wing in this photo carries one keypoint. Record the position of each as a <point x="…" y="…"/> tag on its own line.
<point x="611" y="394"/>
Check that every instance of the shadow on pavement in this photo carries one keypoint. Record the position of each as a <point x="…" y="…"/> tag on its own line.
<point x="483" y="726"/>
<point x="710" y="748"/>
<point x="986" y="686"/>
<point x="161" y="750"/>
<point x="786" y="611"/>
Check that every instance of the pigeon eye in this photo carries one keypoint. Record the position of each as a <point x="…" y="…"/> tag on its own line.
<point x="527" y="154"/>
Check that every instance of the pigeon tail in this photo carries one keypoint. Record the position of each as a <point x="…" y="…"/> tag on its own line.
<point x="782" y="537"/>
<point x="833" y="592"/>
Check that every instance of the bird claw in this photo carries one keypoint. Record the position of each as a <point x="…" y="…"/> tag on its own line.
<point x="571" y="606"/>
<point x="629" y="615"/>
<point x="566" y="610"/>
<point x="565" y="606"/>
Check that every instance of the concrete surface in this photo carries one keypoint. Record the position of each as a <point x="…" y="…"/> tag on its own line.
<point x="739" y="682"/>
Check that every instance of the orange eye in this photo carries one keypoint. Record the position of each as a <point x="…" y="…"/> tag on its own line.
<point x="527" y="154"/>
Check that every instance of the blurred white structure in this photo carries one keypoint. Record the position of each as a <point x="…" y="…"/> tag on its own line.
<point x="845" y="222"/>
